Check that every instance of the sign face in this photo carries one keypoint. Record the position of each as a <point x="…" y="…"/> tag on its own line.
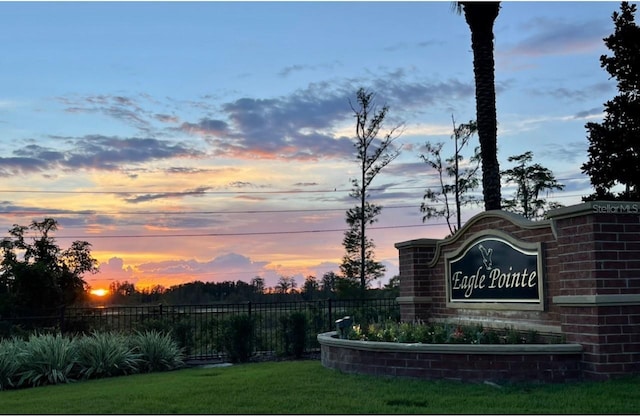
<point x="493" y="269"/>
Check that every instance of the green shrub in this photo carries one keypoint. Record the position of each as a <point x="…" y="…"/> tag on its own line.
<point x="9" y="330"/>
<point x="157" y="351"/>
<point x="207" y="334"/>
<point x="11" y="351"/>
<point x="377" y="332"/>
<point x="455" y="334"/>
<point x="408" y="333"/>
<point x="154" y="324"/>
<point x="106" y="354"/>
<point x="418" y="332"/>
<point x="181" y="330"/>
<point x="490" y="337"/>
<point x="77" y="325"/>
<point x="317" y="322"/>
<point x="531" y="337"/>
<point x="294" y="332"/>
<point x="5" y="329"/>
<point x="183" y="333"/>
<point x="513" y="336"/>
<point x="238" y="337"/>
<point x="48" y="359"/>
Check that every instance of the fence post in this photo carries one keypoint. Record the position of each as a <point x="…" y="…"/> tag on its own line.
<point x="160" y="306"/>
<point x="249" y="308"/>
<point x="330" y="315"/>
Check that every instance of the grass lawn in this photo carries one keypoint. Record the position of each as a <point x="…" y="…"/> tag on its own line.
<point x="305" y="387"/>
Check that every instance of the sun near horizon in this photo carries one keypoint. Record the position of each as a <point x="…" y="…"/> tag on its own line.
<point x="99" y="292"/>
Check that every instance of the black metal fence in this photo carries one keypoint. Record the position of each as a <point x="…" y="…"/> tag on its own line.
<point x="199" y="328"/>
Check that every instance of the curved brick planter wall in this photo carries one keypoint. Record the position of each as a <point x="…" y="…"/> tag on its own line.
<point x="474" y="363"/>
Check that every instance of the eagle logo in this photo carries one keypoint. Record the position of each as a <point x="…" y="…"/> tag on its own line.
<point x="486" y="256"/>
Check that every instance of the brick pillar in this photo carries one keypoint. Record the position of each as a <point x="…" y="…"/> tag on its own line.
<point x="415" y="297"/>
<point x="599" y="257"/>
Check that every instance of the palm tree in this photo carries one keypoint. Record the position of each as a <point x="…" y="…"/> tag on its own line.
<point x="480" y="17"/>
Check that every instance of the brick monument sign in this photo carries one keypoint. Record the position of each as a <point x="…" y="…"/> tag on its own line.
<point x="575" y="274"/>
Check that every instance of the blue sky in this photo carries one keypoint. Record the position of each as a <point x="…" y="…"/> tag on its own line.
<point x="213" y="140"/>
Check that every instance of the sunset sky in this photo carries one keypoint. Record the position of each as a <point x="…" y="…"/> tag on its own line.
<point x="214" y="141"/>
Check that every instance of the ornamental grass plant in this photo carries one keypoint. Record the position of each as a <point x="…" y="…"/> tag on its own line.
<point x="157" y="351"/>
<point x="106" y="354"/>
<point x="47" y="359"/>
<point x="10" y="359"/>
<point x="52" y="359"/>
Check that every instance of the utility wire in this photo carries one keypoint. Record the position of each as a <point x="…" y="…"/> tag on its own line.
<point x="171" y="213"/>
<point x="199" y="192"/>
<point x="207" y="212"/>
<point x="215" y="234"/>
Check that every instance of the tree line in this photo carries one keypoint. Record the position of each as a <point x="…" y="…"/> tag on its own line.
<point x="329" y="286"/>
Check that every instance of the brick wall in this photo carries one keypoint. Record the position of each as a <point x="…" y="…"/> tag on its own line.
<point x="428" y="279"/>
<point x="495" y="366"/>
<point x="591" y="266"/>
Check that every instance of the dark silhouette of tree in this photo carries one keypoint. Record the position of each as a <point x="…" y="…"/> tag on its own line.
<point x="349" y="288"/>
<point x="37" y="277"/>
<point x="242" y="291"/>
<point x="392" y="289"/>
<point x="286" y="285"/>
<point x="198" y="292"/>
<point x="480" y="17"/>
<point x="449" y="197"/>
<point x="328" y="284"/>
<point x="372" y="154"/>
<point x="258" y="284"/>
<point x="531" y="180"/>
<point x="614" y="144"/>
<point x="310" y="289"/>
<point x="125" y="292"/>
<point x="123" y="289"/>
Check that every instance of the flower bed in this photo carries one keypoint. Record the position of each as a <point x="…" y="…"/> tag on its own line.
<point x="464" y="362"/>
<point x="421" y="332"/>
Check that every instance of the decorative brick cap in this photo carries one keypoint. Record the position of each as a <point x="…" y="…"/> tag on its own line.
<point x="422" y="243"/>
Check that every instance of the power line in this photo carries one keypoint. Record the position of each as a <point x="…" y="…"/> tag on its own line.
<point x="171" y="213"/>
<point x="216" y="234"/>
<point x="222" y="192"/>
<point x="187" y="193"/>
<point x="198" y="192"/>
<point x="208" y="212"/>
